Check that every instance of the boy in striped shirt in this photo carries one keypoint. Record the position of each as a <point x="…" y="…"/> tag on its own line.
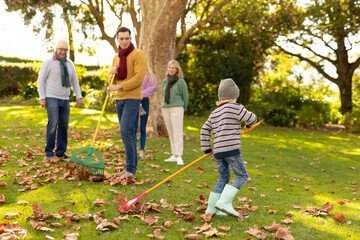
<point x="223" y="126"/>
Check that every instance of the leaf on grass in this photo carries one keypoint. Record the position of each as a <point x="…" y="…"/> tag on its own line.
<point x="150" y="220"/>
<point x="2" y="199"/>
<point x="339" y="217"/>
<point x="273" y="227"/>
<point x="11" y="231"/>
<point x="283" y="233"/>
<point x="11" y="215"/>
<point x="206" y="217"/>
<point x="71" y="236"/>
<point x="99" y="202"/>
<point x="287" y="221"/>
<point x="224" y="228"/>
<point x="168" y="223"/>
<point x="257" y="233"/>
<point x="192" y="236"/>
<point x="38" y="213"/>
<point x="41" y="226"/>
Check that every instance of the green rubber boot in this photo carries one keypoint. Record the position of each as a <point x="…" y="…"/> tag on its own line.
<point x="213" y="198"/>
<point x="224" y="204"/>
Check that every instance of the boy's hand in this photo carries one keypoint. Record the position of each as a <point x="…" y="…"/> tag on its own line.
<point x="43" y="103"/>
<point x="208" y="151"/>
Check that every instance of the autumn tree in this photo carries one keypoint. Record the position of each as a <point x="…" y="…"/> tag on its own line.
<point x="328" y="40"/>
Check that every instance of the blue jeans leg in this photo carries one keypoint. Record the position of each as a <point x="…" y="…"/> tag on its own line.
<point x="143" y="122"/>
<point x="224" y="175"/>
<point x="63" y="123"/>
<point x="127" y="111"/>
<point x="52" y="109"/>
<point x="237" y="165"/>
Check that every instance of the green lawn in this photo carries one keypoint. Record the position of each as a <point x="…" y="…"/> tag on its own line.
<point x="291" y="170"/>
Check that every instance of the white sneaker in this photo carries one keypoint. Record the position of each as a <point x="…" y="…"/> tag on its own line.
<point x="171" y="159"/>
<point x="179" y="160"/>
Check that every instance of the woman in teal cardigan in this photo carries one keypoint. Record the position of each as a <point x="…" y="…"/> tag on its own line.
<point x="174" y="103"/>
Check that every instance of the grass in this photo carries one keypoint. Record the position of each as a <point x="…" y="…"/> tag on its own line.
<point x="287" y="167"/>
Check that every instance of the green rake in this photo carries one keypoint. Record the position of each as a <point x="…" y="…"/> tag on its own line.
<point x="88" y="157"/>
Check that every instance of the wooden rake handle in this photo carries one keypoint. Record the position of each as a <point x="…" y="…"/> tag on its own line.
<point x="193" y="162"/>
<point x="102" y="111"/>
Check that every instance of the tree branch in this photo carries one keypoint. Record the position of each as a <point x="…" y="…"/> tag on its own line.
<point x="191" y="31"/>
<point x="312" y="63"/>
<point x="309" y="32"/>
<point x="354" y="65"/>
<point x="312" y="51"/>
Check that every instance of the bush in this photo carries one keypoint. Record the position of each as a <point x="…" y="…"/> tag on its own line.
<point x="16" y="77"/>
<point x="287" y="106"/>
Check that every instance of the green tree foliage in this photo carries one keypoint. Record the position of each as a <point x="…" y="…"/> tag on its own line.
<point x="326" y="41"/>
<point x="235" y="45"/>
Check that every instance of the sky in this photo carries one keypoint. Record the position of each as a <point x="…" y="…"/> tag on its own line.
<point x="19" y="40"/>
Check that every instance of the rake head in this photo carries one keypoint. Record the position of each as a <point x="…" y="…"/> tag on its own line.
<point x="89" y="158"/>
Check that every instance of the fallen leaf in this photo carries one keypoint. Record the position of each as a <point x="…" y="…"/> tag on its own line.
<point x="2" y="199"/>
<point x="99" y="202"/>
<point x="287" y="221"/>
<point x="256" y="232"/>
<point x="192" y="236"/>
<point x="339" y="217"/>
<point x="150" y="220"/>
<point x="283" y="234"/>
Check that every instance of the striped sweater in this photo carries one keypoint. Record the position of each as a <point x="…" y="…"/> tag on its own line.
<point x="224" y="123"/>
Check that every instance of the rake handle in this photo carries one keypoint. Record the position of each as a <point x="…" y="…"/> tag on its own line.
<point x="175" y="173"/>
<point x="194" y="162"/>
<point x="102" y="112"/>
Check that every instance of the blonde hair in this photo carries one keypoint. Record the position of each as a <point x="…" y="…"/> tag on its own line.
<point x="177" y="65"/>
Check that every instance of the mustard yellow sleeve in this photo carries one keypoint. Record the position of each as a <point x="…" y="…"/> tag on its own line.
<point x="140" y="67"/>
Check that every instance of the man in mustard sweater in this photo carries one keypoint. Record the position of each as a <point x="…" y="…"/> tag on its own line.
<point x="129" y="67"/>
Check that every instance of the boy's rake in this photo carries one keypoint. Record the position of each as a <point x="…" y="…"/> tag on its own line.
<point x="88" y="157"/>
<point x="128" y="205"/>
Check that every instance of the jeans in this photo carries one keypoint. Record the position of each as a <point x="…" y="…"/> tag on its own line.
<point x="236" y="163"/>
<point x="58" y="121"/>
<point x="127" y="111"/>
<point x="143" y="122"/>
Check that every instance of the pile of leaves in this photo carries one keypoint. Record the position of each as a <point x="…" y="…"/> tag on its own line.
<point x="10" y="231"/>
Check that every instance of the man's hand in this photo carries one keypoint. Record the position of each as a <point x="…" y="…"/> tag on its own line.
<point x="43" y="103"/>
<point x="79" y="102"/>
<point x="114" y="87"/>
<point x="113" y="70"/>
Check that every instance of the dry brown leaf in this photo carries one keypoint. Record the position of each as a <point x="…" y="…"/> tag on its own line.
<point x="99" y="202"/>
<point x="11" y="231"/>
<point x="157" y="234"/>
<point x="339" y="217"/>
<point x="206" y="217"/>
<point x="2" y="199"/>
<point x="283" y="234"/>
<point x="71" y="236"/>
<point x="150" y="220"/>
<point x="192" y="236"/>
<point x="273" y="227"/>
<point x="168" y="223"/>
<point x="224" y="228"/>
<point x="256" y="232"/>
<point x="287" y="221"/>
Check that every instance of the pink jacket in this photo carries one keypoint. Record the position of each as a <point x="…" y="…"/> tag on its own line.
<point x="148" y="85"/>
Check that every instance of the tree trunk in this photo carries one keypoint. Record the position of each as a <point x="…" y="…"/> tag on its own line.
<point x="345" y="89"/>
<point x="70" y="34"/>
<point x="157" y="39"/>
<point x="244" y="97"/>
